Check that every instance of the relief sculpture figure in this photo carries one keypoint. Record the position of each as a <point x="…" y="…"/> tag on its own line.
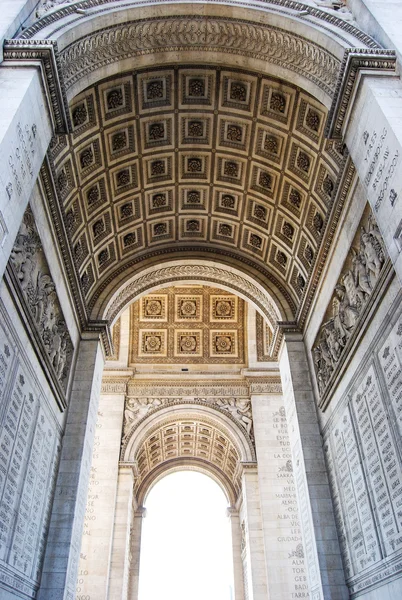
<point x="349" y="299"/>
<point x="240" y="409"/>
<point x="39" y="291"/>
<point x="136" y="409"/>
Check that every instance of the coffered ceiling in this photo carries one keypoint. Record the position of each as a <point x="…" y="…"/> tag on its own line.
<point x="195" y="324"/>
<point x="192" y="161"/>
<point x="191" y="440"/>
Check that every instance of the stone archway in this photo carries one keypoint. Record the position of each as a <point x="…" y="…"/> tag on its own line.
<point x="199" y="436"/>
<point x="91" y="52"/>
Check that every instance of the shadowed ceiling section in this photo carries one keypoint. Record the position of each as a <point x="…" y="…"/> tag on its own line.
<point x="198" y="161"/>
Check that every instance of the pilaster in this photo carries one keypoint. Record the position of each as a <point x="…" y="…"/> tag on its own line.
<point x="99" y="517"/>
<point x="253" y="552"/>
<point x="286" y="573"/>
<point x="238" y="579"/>
<point x="121" y="556"/>
<point x="60" y="568"/>
<point x="321" y="547"/>
<point x="135" y="548"/>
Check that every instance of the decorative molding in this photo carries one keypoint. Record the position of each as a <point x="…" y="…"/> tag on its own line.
<point x="327" y="17"/>
<point x="46" y="53"/>
<point x="137" y="409"/>
<point x="264" y="338"/>
<point x="116" y="335"/>
<point x="216" y="34"/>
<point x="200" y="273"/>
<point x="114" y="385"/>
<point x="269" y="313"/>
<point x="262" y="385"/>
<point x="380" y="61"/>
<point x="248" y="466"/>
<point x="343" y="188"/>
<point x="289" y="327"/>
<point x="195" y="389"/>
<point x="46" y="178"/>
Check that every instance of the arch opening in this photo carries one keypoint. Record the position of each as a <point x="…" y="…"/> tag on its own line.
<point x="186" y="545"/>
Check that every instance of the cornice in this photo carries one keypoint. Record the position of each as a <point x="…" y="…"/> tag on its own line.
<point x="114" y="385"/>
<point x="47" y="180"/>
<point x="45" y="53"/>
<point x="379" y="61"/>
<point x="327" y="20"/>
<point x="264" y="385"/>
<point x="344" y="185"/>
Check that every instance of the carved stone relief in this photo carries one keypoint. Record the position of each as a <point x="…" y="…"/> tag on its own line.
<point x="39" y="292"/>
<point x="138" y="408"/>
<point x="45" y="5"/>
<point x="360" y="274"/>
<point x="264" y="337"/>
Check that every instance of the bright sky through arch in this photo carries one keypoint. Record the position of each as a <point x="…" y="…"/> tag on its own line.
<point x="186" y="547"/>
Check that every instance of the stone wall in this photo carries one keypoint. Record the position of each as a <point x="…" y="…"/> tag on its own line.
<point x="30" y="439"/>
<point x="362" y="444"/>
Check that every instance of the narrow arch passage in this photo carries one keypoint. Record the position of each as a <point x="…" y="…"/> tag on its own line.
<point x="186" y="547"/>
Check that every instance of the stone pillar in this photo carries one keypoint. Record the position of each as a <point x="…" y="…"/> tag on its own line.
<point x="120" y="557"/>
<point x="238" y="580"/>
<point x="253" y="555"/>
<point x="25" y="133"/>
<point x="321" y="547"/>
<point x="286" y="574"/>
<point x="60" y="567"/>
<point x="135" y="550"/>
<point x="100" y="508"/>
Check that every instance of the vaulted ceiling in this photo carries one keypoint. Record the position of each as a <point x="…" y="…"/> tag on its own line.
<point x="196" y="161"/>
<point x="191" y="440"/>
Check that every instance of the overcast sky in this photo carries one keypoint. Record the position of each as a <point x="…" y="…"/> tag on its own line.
<point x="186" y="541"/>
